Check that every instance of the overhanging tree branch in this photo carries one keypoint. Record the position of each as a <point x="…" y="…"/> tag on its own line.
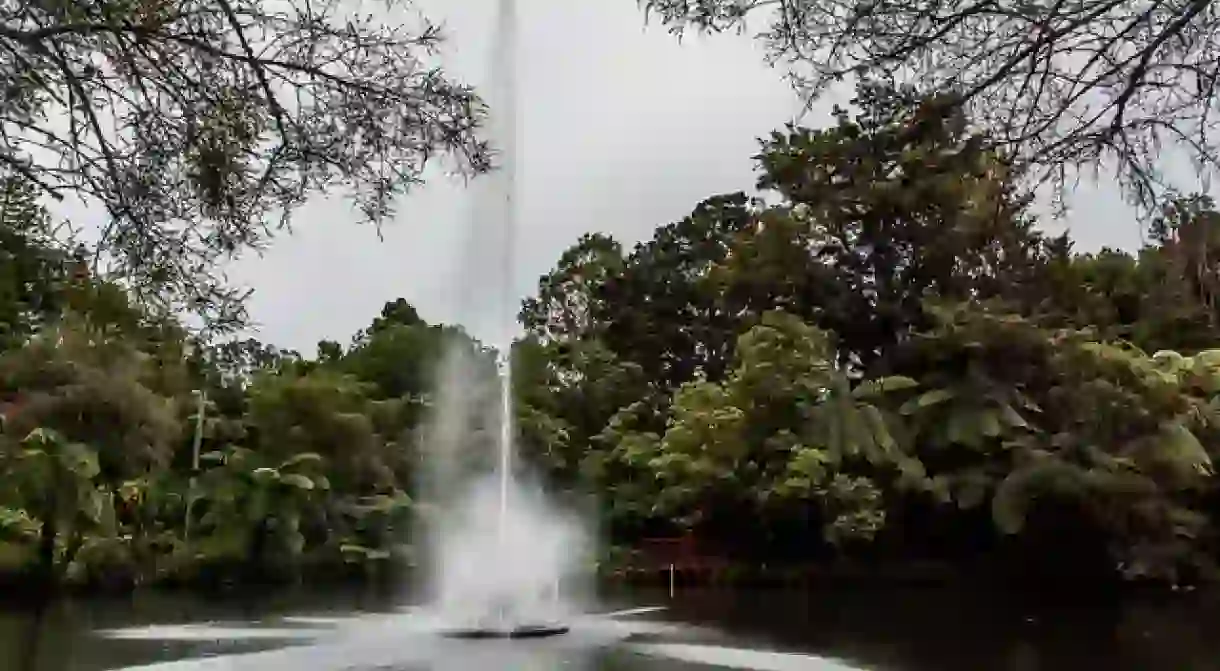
<point x="202" y="125"/>
<point x="1058" y="85"/>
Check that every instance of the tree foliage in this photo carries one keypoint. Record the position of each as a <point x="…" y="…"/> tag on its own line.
<point x="877" y="357"/>
<point x="200" y="125"/>
<point x="304" y="462"/>
<point x="93" y="390"/>
<point x="31" y="264"/>
<point x="784" y="425"/>
<point x="884" y="355"/>
<point x="1058" y="86"/>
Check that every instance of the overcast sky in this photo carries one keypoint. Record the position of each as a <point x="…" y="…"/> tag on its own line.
<point x="623" y="129"/>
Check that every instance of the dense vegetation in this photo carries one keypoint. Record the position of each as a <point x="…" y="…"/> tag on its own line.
<point x="878" y="358"/>
<point x="884" y="359"/>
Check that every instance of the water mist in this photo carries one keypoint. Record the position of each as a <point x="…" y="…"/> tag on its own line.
<point x="501" y="554"/>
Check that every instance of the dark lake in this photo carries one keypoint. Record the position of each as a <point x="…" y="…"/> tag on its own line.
<point x="833" y="629"/>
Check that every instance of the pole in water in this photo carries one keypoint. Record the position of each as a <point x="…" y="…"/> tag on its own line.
<point x="671" y="581"/>
<point x="196" y="443"/>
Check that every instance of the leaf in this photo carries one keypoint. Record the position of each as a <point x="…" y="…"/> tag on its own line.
<point x="885" y="385"/>
<point x="796" y="486"/>
<point x="966" y="427"/>
<point x="297" y="480"/>
<point x="938" y="486"/>
<point x="383" y="503"/>
<point x="41" y="437"/>
<point x="302" y="458"/>
<point x="258" y="506"/>
<point x="94" y="504"/>
<point x="972" y="488"/>
<point x="295" y="541"/>
<point x="810" y="463"/>
<point x="858" y="435"/>
<point x="934" y="397"/>
<point x="214" y="456"/>
<point x="1040" y="475"/>
<point x="925" y="400"/>
<point x="355" y="552"/>
<point x="80" y="460"/>
<point x="1179" y="448"/>
<point x="913" y="476"/>
<point x="227" y="541"/>
<point x="265" y="475"/>
<point x="879" y="428"/>
<point x="990" y="423"/>
<point x="1008" y="505"/>
<point x="1012" y="418"/>
<point x="32" y="453"/>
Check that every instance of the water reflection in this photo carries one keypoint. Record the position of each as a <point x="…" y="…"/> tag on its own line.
<point x="877" y="630"/>
<point x="940" y="629"/>
<point x="415" y="658"/>
<point x="409" y="641"/>
<point x="405" y="642"/>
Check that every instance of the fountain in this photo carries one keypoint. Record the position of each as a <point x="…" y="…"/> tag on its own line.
<point x="500" y="550"/>
<point x="524" y="601"/>
<point x="505" y="560"/>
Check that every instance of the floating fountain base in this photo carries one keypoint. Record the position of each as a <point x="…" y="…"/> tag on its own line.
<point x="520" y="631"/>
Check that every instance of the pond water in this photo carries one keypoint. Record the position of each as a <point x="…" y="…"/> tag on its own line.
<point x="838" y="629"/>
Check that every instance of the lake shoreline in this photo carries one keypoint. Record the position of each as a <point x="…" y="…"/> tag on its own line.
<point x="613" y="575"/>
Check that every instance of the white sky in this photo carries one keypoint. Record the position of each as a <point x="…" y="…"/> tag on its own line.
<point x="624" y="129"/>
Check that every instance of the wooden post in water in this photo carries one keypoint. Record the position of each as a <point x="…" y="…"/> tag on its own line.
<point x="671" y="580"/>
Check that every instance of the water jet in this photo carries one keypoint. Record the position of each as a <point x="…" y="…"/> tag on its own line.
<point x="502" y="550"/>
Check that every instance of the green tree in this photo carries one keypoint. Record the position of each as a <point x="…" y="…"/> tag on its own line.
<point x="783" y="429"/>
<point x="1090" y="447"/>
<point x="92" y="389"/>
<point x="881" y="211"/>
<point x="55" y="479"/>
<point x="236" y="362"/>
<point x="258" y="509"/>
<point x="566" y="392"/>
<point x="397" y="312"/>
<point x="1163" y="297"/>
<point x="33" y="268"/>
<point x="662" y="311"/>
<point x="569" y="302"/>
<point x="1187" y="235"/>
<point x="329" y="414"/>
<point x="399" y="361"/>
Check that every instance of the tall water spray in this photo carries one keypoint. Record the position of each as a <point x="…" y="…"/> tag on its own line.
<point x="505" y="447"/>
<point x="499" y="549"/>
